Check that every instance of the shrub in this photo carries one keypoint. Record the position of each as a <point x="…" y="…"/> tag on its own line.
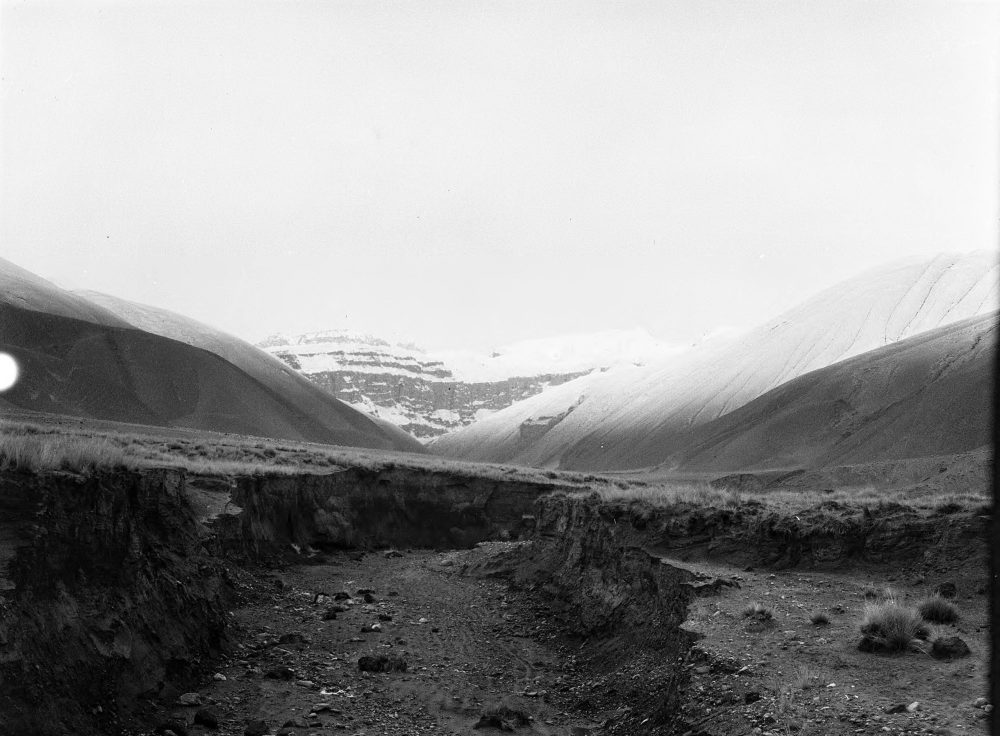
<point x="759" y="612"/>
<point x="819" y="619"/>
<point x="937" y="610"/>
<point x="890" y="627"/>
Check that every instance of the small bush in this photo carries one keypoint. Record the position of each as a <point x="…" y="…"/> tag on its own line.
<point x="937" y="610"/>
<point x="819" y="619"/>
<point x="890" y="627"/>
<point x="759" y="612"/>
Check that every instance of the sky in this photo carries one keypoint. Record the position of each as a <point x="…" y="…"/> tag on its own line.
<point x="468" y="174"/>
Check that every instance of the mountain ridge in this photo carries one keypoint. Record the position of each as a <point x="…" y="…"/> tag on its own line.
<point x="630" y="418"/>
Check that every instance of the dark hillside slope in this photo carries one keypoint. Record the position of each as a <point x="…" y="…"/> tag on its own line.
<point x="79" y="359"/>
<point x="299" y="392"/>
<point x="928" y="395"/>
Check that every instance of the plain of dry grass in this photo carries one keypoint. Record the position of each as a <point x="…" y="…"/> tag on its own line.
<point x="789" y="502"/>
<point x="37" y="445"/>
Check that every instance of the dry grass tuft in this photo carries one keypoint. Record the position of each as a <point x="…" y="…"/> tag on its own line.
<point x="758" y="612"/>
<point x="819" y="619"/>
<point x="937" y="610"/>
<point x="872" y="593"/>
<point x="891" y="627"/>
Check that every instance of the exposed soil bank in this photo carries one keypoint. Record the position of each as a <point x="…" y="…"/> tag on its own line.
<point x="115" y="587"/>
<point x="624" y="605"/>
<point x="831" y="535"/>
<point x="365" y="509"/>
<point x="109" y="596"/>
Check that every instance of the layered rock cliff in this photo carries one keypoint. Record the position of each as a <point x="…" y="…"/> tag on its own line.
<point x="428" y="394"/>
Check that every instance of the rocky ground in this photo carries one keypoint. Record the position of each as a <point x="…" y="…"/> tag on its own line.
<point x="789" y="675"/>
<point x="474" y="654"/>
<point x="482" y="657"/>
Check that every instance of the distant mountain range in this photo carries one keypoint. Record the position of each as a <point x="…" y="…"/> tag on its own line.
<point x="667" y="411"/>
<point x="896" y="363"/>
<point x="89" y="355"/>
<point x="428" y="393"/>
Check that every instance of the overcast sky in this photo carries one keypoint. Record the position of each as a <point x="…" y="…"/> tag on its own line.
<point x="471" y="173"/>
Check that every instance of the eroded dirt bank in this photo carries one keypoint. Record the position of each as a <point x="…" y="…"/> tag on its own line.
<point x="125" y="590"/>
<point x="117" y="585"/>
<point x="109" y="594"/>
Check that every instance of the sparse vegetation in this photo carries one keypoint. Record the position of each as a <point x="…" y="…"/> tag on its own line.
<point x="937" y="610"/>
<point x="819" y="619"/>
<point x="892" y="627"/>
<point x="758" y="612"/>
<point x="872" y="593"/>
<point x="806" y="677"/>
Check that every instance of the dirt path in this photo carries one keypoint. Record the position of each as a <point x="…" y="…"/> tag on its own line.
<point x="468" y="645"/>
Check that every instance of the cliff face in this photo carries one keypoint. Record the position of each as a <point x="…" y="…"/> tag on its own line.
<point x="414" y="390"/>
<point x="109" y="596"/>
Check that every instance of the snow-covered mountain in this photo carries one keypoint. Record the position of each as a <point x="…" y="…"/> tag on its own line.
<point x="636" y="416"/>
<point x="428" y="393"/>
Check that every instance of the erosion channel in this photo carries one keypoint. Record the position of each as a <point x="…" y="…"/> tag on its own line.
<point x="365" y="601"/>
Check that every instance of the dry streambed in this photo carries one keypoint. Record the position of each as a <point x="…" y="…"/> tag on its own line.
<point x="145" y="598"/>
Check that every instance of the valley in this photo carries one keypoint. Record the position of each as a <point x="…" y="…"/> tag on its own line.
<point x="583" y="604"/>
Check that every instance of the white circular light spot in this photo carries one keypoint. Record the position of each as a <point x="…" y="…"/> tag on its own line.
<point x="8" y="371"/>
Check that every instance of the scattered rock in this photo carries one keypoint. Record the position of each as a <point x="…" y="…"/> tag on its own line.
<point x="949" y="647"/>
<point x="256" y="728"/>
<point x="381" y="663"/>
<point x="504" y="718"/>
<point x="366" y="591"/>
<point x="330" y="614"/>
<point x="208" y="717"/>
<point x="295" y="723"/>
<point x="384" y="617"/>
<point x="171" y="726"/>
<point x="189" y="699"/>
<point x="393" y="553"/>
<point x="293" y="638"/>
<point x="219" y="677"/>
<point x="751" y="697"/>
<point x="342" y="596"/>
<point x="280" y="673"/>
<point x="980" y="702"/>
<point x="369" y="598"/>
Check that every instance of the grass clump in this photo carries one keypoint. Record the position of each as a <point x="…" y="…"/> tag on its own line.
<point x="937" y="610"/>
<point x="889" y="626"/>
<point x="758" y="612"/>
<point x="819" y="619"/>
<point x="871" y="593"/>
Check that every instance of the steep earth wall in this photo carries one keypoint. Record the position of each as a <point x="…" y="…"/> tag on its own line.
<point x="109" y="596"/>
<point x="830" y="535"/>
<point x="114" y="586"/>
